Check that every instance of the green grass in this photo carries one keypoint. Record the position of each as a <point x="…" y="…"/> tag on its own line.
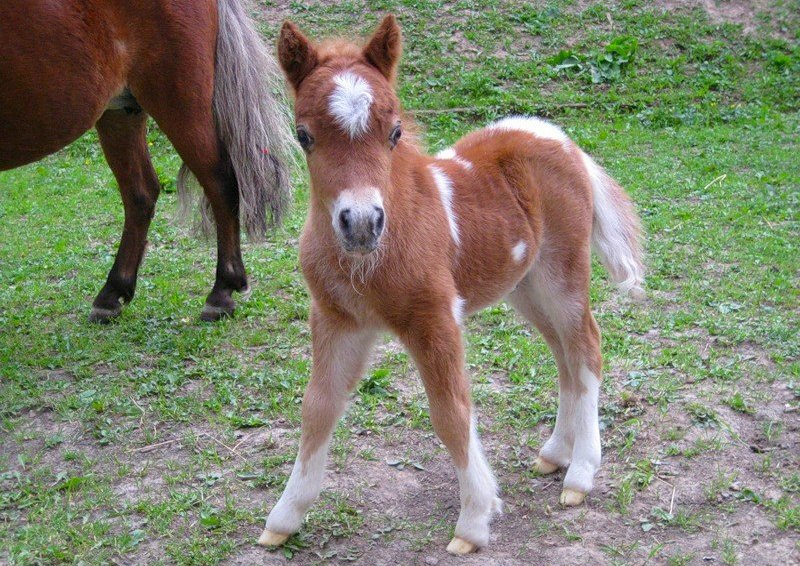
<point x="160" y="439"/>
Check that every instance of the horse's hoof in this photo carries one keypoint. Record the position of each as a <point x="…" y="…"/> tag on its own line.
<point x="544" y="467"/>
<point x="571" y="498"/>
<point x="212" y="313"/>
<point x="102" y="315"/>
<point x="460" y="547"/>
<point x="268" y="538"/>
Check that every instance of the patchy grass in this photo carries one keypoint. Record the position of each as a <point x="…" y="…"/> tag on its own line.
<point x="159" y="439"/>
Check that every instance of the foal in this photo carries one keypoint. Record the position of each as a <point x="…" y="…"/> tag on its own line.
<point x="400" y="241"/>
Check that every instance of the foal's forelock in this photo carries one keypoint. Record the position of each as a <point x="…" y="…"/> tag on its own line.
<point x="350" y="103"/>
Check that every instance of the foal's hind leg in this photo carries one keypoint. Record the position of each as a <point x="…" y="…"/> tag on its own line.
<point x="123" y="137"/>
<point x="559" y="309"/>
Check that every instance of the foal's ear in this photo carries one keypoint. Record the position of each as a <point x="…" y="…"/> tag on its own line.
<point x="383" y="50"/>
<point x="296" y="54"/>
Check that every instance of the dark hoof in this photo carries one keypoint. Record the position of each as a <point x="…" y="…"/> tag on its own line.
<point x="103" y="315"/>
<point x="213" y="313"/>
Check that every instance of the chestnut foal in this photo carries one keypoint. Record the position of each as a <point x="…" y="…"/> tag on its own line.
<point x="400" y="241"/>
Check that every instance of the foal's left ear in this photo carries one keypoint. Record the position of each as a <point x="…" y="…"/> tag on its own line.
<point x="383" y="50"/>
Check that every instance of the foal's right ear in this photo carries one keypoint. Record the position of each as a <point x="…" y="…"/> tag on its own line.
<point x="296" y="54"/>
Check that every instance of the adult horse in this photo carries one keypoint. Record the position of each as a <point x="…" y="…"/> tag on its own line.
<point x="199" y="68"/>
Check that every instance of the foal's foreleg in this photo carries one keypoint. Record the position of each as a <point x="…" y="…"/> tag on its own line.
<point x="340" y="354"/>
<point x="123" y="138"/>
<point x="436" y="345"/>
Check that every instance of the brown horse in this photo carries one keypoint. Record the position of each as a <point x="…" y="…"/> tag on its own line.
<point x="199" y="68"/>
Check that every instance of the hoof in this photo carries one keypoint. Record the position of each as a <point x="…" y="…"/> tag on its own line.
<point x="104" y="316"/>
<point x="543" y="466"/>
<point x="268" y="538"/>
<point x="460" y="547"/>
<point x="213" y="314"/>
<point x="571" y="498"/>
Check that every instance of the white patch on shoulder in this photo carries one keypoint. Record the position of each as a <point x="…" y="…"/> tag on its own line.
<point x="451" y="155"/>
<point x="445" y="186"/>
<point x="534" y="126"/>
<point x="350" y="103"/>
<point x="518" y="251"/>
<point x="458" y="309"/>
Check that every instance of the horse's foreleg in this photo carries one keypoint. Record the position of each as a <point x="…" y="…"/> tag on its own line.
<point x="340" y="354"/>
<point x="124" y="142"/>
<point x="435" y="343"/>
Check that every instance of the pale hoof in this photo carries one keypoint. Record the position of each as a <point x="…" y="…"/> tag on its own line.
<point x="460" y="547"/>
<point x="268" y="538"/>
<point x="543" y="466"/>
<point x="571" y="498"/>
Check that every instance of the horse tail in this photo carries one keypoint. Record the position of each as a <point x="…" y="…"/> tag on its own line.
<point x="254" y="124"/>
<point x="616" y="231"/>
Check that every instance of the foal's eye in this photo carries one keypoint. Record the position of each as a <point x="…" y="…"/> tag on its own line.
<point x="304" y="138"/>
<point x="394" y="137"/>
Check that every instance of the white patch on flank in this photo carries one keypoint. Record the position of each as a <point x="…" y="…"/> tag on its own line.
<point x="586" y="431"/>
<point x="301" y="491"/>
<point x="445" y="186"/>
<point x="518" y="251"/>
<point x="609" y="233"/>
<point x="478" y="489"/>
<point x="350" y="103"/>
<point x="458" y="309"/>
<point x="451" y="155"/>
<point x="535" y="126"/>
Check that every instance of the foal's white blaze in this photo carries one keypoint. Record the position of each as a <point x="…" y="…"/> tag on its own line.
<point x="445" y="186"/>
<point x="478" y="489"/>
<point x="350" y="103"/>
<point x="586" y="432"/>
<point x="458" y="309"/>
<point x="532" y="125"/>
<point x="518" y="251"/>
<point x="301" y="491"/>
<point x="451" y="155"/>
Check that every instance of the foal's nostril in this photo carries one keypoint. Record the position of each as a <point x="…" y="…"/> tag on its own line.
<point x="344" y="219"/>
<point x="379" y="221"/>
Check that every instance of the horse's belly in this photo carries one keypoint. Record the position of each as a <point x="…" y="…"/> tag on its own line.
<point x="56" y="75"/>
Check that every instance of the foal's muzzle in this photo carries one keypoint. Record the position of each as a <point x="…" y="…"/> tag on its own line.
<point x="358" y="218"/>
<point x="360" y="228"/>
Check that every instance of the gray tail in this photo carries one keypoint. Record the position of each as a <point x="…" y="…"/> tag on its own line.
<point x="254" y="123"/>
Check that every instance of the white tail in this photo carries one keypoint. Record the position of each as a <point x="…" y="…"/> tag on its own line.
<point x="616" y="231"/>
